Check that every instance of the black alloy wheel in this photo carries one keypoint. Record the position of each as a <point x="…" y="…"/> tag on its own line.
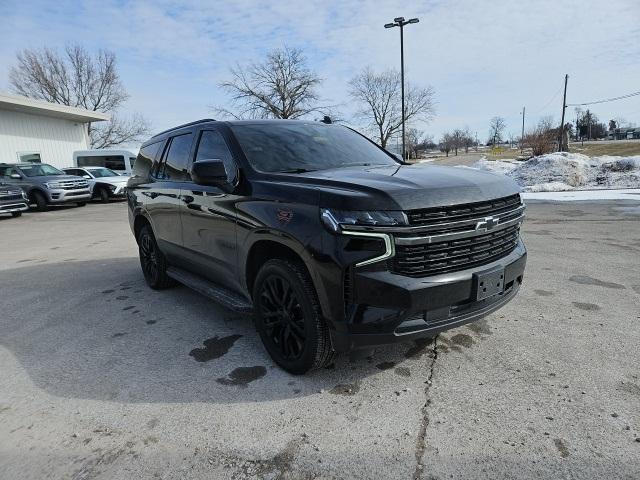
<point x="288" y="317"/>
<point x="283" y="318"/>
<point x="152" y="260"/>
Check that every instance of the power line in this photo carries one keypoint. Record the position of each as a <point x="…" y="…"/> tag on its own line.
<point x="551" y="100"/>
<point x="604" y="100"/>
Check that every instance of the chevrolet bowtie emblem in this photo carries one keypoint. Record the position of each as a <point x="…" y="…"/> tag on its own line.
<point x="489" y="223"/>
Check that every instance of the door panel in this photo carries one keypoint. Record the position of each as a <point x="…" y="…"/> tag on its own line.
<point x="209" y="218"/>
<point x="163" y="195"/>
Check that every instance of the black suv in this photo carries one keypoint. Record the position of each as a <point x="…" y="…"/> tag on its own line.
<point x="330" y="241"/>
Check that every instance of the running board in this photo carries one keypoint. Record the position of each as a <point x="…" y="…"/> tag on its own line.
<point x="219" y="294"/>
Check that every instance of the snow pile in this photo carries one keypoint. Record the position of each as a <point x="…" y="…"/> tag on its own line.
<point x="555" y="172"/>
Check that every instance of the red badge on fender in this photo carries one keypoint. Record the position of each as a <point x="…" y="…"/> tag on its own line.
<point x="285" y="216"/>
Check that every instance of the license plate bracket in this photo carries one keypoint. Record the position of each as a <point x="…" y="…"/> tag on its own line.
<point x="489" y="283"/>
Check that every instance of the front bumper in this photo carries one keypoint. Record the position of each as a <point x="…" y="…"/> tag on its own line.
<point x="389" y="308"/>
<point x="69" y="196"/>
<point x="14" y="207"/>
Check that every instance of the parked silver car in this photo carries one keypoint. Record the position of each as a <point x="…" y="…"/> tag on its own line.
<point x="46" y="185"/>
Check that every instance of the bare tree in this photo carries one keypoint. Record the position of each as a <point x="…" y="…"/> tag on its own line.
<point x="414" y="141"/>
<point x="496" y="127"/>
<point x="77" y="79"/>
<point x="379" y="99"/>
<point x="467" y="140"/>
<point x="282" y="86"/>
<point x="541" y="139"/>
<point x="446" y="143"/>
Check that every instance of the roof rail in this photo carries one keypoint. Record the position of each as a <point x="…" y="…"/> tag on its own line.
<point x="204" y="120"/>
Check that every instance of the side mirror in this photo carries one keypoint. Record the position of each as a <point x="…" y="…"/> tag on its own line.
<point x="16" y="176"/>
<point x="87" y="177"/>
<point x="212" y="173"/>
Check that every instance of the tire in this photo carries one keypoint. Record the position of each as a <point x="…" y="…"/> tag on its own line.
<point x="81" y="204"/>
<point x="288" y="317"/>
<point x="152" y="260"/>
<point x="103" y="195"/>
<point x="16" y="214"/>
<point x="40" y="200"/>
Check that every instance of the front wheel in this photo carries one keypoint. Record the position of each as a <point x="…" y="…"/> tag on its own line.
<point x="16" y="214"/>
<point x="103" y="195"/>
<point x="81" y="204"/>
<point x="152" y="260"/>
<point x="40" y="200"/>
<point x="288" y="317"/>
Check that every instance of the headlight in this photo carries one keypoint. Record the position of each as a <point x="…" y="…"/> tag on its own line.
<point x="334" y="218"/>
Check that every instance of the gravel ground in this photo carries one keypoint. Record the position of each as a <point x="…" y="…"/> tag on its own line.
<point x="103" y="378"/>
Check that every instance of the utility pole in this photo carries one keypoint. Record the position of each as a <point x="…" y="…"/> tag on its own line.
<point x="522" y="136"/>
<point x="476" y="141"/>
<point x="401" y="22"/>
<point x="564" y="107"/>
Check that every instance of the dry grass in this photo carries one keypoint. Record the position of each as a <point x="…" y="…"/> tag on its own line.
<point x="595" y="149"/>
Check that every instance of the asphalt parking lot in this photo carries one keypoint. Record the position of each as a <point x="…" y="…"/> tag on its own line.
<point x="102" y="377"/>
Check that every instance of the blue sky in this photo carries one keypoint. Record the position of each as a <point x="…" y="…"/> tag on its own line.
<point x="482" y="58"/>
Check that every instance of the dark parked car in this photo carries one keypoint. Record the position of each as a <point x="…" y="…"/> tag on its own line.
<point x="13" y="200"/>
<point x="329" y="240"/>
<point x="46" y="185"/>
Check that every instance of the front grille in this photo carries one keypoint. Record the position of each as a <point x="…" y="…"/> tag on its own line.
<point x="5" y="196"/>
<point x="454" y="255"/>
<point x="73" y="184"/>
<point x="454" y="213"/>
<point x="456" y="241"/>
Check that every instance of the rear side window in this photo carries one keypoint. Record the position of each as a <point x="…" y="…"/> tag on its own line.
<point x="213" y="147"/>
<point x="146" y="156"/>
<point x="176" y="160"/>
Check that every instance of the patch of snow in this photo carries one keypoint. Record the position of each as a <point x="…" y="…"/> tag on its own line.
<point x="564" y="171"/>
<point x="582" y="195"/>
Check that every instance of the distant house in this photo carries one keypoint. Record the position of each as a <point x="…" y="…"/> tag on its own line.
<point x="42" y="132"/>
<point x="629" y="133"/>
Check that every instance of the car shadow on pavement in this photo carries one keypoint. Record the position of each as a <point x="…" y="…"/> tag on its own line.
<point x="94" y="330"/>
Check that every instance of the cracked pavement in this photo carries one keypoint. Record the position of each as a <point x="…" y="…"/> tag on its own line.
<point x="104" y="378"/>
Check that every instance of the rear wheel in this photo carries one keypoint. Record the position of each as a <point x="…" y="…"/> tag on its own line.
<point x="152" y="260"/>
<point x="40" y="200"/>
<point x="16" y="214"/>
<point x="288" y="317"/>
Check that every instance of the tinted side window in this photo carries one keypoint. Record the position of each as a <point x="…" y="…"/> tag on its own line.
<point x="177" y="159"/>
<point x="212" y="146"/>
<point x="145" y="160"/>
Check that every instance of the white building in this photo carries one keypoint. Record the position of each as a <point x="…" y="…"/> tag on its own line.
<point x="38" y="131"/>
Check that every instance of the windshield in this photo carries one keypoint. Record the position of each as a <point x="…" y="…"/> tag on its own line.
<point x="40" y="170"/>
<point x="103" y="172"/>
<point x="291" y="147"/>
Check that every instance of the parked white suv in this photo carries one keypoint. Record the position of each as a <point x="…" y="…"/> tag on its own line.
<point x="105" y="184"/>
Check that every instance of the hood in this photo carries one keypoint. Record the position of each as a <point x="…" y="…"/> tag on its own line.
<point x="119" y="180"/>
<point x="403" y="187"/>
<point x="55" y="178"/>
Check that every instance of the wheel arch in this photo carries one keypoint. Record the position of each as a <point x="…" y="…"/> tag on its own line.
<point x="139" y="222"/>
<point x="269" y="246"/>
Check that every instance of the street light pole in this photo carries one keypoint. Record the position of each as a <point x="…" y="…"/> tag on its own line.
<point x="401" y="22"/>
<point x="522" y="135"/>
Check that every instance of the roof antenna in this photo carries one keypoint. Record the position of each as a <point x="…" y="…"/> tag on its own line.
<point x="326" y="119"/>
